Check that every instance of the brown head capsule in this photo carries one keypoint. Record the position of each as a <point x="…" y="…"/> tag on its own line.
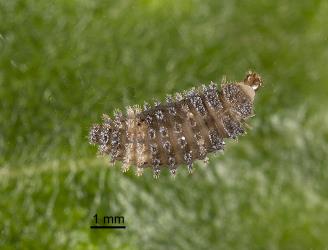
<point x="182" y="130"/>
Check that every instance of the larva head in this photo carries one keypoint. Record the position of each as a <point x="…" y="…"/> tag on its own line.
<point x="253" y="80"/>
<point x="251" y="84"/>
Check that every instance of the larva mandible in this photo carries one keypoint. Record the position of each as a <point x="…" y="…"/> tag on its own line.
<point x="182" y="130"/>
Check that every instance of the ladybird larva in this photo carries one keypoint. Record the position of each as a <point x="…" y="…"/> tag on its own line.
<point x="182" y="130"/>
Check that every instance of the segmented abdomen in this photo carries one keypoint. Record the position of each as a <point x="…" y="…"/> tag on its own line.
<point x="185" y="128"/>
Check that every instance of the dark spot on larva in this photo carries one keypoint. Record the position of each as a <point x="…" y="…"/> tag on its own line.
<point x="163" y="131"/>
<point x="182" y="141"/>
<point x="172" y="111"/>
<point x="146" y="106"/>
<point x="171" y="162"/>
<point x="192" y="122"/>
<point x="198" y="136"/>
<point x="149" y="119"/>
<point x="159" y="115"/>
<point x="177" y="127"/>
<point x="187" y="157"/>
<point x="152" y="133"/>
<point x="216" y="141"/>
<point x="167" y="146"/>
<point x="153" y="149"/>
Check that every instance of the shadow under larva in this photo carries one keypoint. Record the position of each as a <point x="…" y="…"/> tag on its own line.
<point x="186" y="128"/>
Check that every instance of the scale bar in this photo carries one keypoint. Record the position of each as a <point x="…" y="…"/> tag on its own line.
<point x="107" y="227"/>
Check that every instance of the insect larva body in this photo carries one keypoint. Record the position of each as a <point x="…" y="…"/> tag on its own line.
<point x="180" y="131"/>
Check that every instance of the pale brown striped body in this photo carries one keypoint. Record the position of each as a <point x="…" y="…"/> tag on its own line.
<point x="185" y="128"/>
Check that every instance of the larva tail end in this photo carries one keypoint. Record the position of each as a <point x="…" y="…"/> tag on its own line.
<point x="94" y="134"/>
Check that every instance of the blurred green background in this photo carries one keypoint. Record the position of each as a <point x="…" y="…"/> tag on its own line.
<point x="64" y="63"/>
